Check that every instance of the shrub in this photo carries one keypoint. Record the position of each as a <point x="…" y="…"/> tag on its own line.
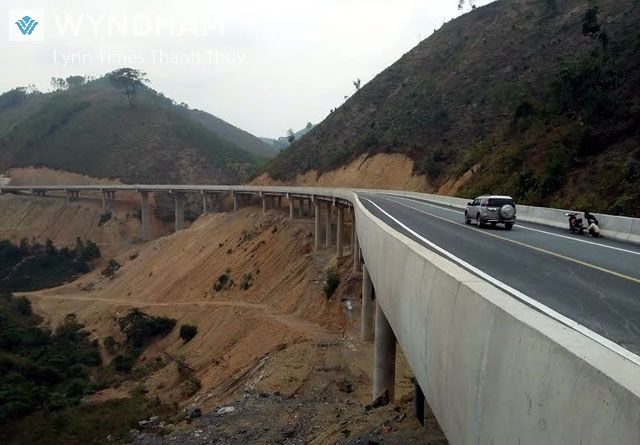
<point x="124" y="362"/>
<point x="110" y="270"/>
<point x="187" y="332"/>
<point x="331" y="282"/>
<point x="221" y="283"/>
<point x="104" y="217"/>
<point x="23" y="305"/>
<point x="110" y="344"/>
<point x="140" y="328"/>
<point x="247" y="281"/>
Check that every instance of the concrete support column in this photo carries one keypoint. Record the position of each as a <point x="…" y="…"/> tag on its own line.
<point x="316" y="218"/>
<point x="291" y="208"/>
<point x="105" y="202"/>
<point x="235" y="202"/>
<point x="264" y="205"/>
<point x="179" y="211"/>
<point x="339" y="232"/>
<point x="327" y="226"/>
<point x="145" y="216"/>
<point x="215" y="203"/>
<point x="368" y="306"/>
<point x="205" y="207"/>
<point x="67" y="196"/>
<point x="384" y="359"/>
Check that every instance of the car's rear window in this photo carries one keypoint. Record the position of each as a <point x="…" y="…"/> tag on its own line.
<point x="499" y="202"/>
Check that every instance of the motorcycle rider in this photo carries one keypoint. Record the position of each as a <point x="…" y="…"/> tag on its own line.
<point x="592" y="224"/>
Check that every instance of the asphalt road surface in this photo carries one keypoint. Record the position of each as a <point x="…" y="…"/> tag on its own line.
<point x="594" y="282"/>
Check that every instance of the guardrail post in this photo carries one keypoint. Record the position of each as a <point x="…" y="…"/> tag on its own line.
<point x="368" y="305"/>
<point x="339" y="231"/>
<point x="179" y="211"/>
<point x="384" y="359"/>
<point x="327" y="226"/>
<point x="144" y="216"/>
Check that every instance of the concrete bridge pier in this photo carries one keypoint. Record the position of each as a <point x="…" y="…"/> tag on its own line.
<point x="264" y="204"/>
<point x="327" y="226"/>
<point x="106" y="201"/>
<point x="368" y="306"/>
<point x="316" y="220"/>
<point x="145" y="216"/>
<point x="179" y="211"/>
<point x="299" y="211"/>
<point x="205" y="203"/>
<point x="384" y="358"/>
<point x="291" y="209"/>
<point x="235" y="201"/>
<point x="339" y="231"/>
<point x="71" y="195"/>
<point x="279" y="202"/>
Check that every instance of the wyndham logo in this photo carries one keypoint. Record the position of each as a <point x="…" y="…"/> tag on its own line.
<point x="26" y="25"/>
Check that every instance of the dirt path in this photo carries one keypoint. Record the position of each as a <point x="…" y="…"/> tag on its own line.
<point x="307" y="328"/>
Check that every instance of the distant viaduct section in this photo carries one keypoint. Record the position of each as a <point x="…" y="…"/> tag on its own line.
<point x="494" y="370"/>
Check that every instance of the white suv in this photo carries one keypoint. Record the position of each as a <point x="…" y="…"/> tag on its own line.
<point x="492" y="209"/>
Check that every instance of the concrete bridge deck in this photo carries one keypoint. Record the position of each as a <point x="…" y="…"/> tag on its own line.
<point x="522" y="336"/>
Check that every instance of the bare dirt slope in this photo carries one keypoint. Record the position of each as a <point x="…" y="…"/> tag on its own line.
<point x="270" y="344"/>
<point x="380" y="171"/>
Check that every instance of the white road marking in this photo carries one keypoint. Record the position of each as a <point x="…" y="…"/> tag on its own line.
<point x="578" y="240"/>
<point x="519" y="295"/>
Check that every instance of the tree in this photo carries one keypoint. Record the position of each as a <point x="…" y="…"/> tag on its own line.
<point x="75" y="81"/>
<point x="471" y="3"/>
<point x="590" y="24"/>
<point x="58" y="84"/>
<point x="129" y="80"/>
<point x="357" y="83"/>
<point x="291" y="136"/>
<point x="50" y="248"/>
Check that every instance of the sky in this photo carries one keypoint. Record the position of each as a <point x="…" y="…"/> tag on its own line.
<point x="264" y="66"/>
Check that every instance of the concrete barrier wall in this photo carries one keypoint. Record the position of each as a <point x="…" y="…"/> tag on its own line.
<point x="494" y="370"/>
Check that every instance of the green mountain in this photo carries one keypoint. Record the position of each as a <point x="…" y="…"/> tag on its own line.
<point x="91" y="129"/>
<point x="243" y="139"/>
<point x="537" y="98"/>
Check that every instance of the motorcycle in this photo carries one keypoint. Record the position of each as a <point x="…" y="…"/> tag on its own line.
<point x="575" y="225"/>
